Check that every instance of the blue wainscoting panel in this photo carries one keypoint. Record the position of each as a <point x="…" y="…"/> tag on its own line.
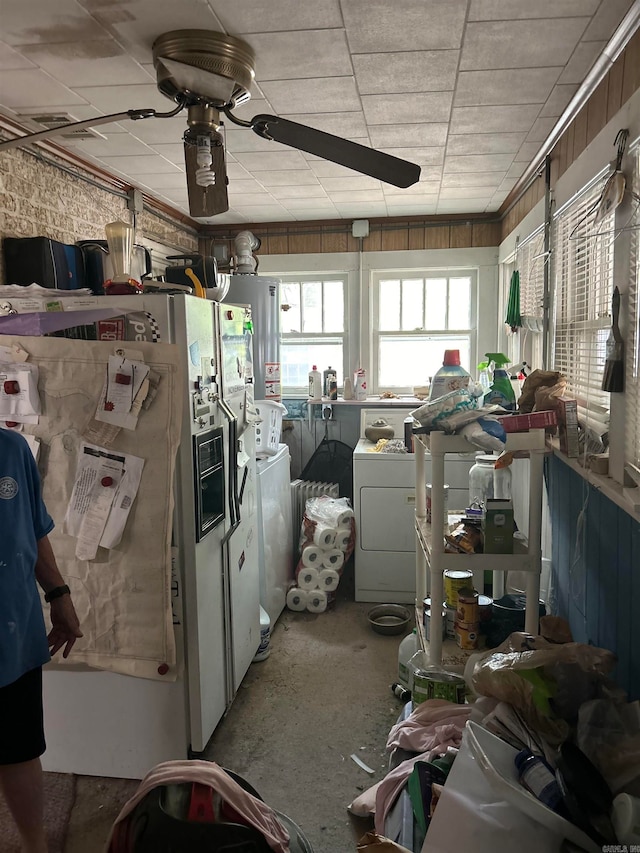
<point x="596" y="569"/>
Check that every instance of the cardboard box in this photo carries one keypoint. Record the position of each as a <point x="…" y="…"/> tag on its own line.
<point x="497" y="526"/>
<point x="535" y="420"/>
<point x="568" y="426"/>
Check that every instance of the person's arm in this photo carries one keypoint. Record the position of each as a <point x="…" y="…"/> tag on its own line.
<point x="64" y="619"/>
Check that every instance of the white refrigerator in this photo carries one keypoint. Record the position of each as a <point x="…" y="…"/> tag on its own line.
<point x="107" y="724"/>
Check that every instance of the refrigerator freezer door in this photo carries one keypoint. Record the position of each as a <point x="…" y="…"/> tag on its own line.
<point x="236" y="345"/>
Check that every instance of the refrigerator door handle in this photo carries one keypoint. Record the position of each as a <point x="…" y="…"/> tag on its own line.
<point x="234" y="505"/>
<point x="244" y="483"/>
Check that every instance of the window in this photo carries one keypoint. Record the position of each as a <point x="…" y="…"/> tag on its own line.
<point x="311" y="328"/>
<point x="583" y="274"/>
<point x="632" y="379"/>
<point x="417" y="317"/>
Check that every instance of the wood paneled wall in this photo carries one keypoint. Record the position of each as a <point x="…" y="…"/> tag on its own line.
<point x="622" y="80"/>
<point x="385" y="235"/>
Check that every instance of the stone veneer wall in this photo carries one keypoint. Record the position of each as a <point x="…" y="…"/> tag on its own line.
<point x="39" y="199"/>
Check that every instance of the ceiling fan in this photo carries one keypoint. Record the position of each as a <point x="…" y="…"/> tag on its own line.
<point x="210" y="73"/>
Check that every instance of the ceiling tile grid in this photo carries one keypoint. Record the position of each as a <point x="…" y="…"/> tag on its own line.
<point x="467" y="89"/>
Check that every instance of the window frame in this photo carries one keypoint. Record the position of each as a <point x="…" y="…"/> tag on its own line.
<point x="448" y="272"/>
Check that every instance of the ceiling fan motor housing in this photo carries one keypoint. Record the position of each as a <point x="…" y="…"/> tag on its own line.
<point x="203" y="66"/>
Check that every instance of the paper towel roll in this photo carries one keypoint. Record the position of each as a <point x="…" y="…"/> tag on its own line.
<point x="333" y="559"/>
<point x="343" y="537"/>
<point x="312" y="556"/>
<point x="329" y="580"/>
<point x="297" y="599"/>
<point x="343" y="519"/>
<point x="308" y="578"/>
<point x="324" y="536"/>
<point x="317" y="601"/>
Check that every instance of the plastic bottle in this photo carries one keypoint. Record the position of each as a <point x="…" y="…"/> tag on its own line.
<point x="315" y="383"/>
<point x="537" y="777"/>
<point x="327" y="376"/>
<point x="450" y="377"/>
<point x="407" y="648"/>
<point x="401" y="692"/>
<point x="501" y="391"/>
<point x="347" y="390"/>
<point x="360" y="390"/>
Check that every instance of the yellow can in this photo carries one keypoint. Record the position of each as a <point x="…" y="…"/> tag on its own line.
<point x="467" y="635"/>
<point x="454" y="581"/>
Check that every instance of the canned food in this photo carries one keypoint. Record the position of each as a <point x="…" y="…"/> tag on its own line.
<point x="453" y="581"/>
<point x="434" y="684"/>
<point x="450" y="619"/>
<point x="485" y="608"/>
<point x="427" y="624"/>
<point x="445" y="501"/>
<point x="467" y="609"/>
<point x="467" y="635"/>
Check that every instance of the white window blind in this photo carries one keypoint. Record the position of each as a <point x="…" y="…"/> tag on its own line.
<point x="583" y="285"/>
<point x="530" y="262"/>
<point x="632" y="379"/>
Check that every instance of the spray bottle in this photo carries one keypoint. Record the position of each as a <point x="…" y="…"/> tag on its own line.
<point x="501" y="391"/>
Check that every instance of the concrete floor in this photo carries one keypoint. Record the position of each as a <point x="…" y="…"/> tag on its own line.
<point x="322" y="695"/>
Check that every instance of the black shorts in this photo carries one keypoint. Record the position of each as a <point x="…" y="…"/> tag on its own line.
<point x="21" y="723"/>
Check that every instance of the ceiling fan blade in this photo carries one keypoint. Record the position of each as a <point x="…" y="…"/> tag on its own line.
<point x="211" y="200"/>
<point x="368" y="161"/>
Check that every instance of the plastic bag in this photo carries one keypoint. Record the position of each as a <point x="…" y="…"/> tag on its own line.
<point x="546" y="397"/>
<point x="487" y="433"/>
<point x="608" y="733"/>
<point x="430" y="414"/>
<point x="522" y="672"/>
<point x="535" y="380"/>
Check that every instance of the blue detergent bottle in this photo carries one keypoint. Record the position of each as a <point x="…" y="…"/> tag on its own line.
<point x="450" y="377"/>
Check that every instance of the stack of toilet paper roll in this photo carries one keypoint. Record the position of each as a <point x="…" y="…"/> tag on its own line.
<point x="327" y="538"/>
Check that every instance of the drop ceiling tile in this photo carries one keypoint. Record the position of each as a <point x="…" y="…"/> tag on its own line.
<point x="320" y="204"/>
<point x="485" y="143"/>
<point x="87" y="63"/>
<point x="511" y="44"/>
<point x="242" y="201"/>
<point x="512" y="10"/>
<point x="527" y="152"/>
<point x="515" y="170"/>
<point x="409" y="71"/>
<point x="345" y="125"/>
<point x="140" y="165"/>
<point x="506" y="186"/>
<point x="158" y="131"/>
<point x="357" y="211"/>
<point x="478" y="163"/>
<point x="230" y="217"/>
<point x="292" y="56"/>
<point x="11" y="60"/>
<point x="288" y="178"/>
<point x="244" y="140"/>
<point x="452" y="205"/>
<point x="419" y="156"/>
<point x="513" y="86"/>
<point x="262" y="16"/>
<point x="116" y="99"/>
<point x="426" y="208"/>
<point x="171" y="151"/>
<point x="269" y="162"/>
<point x="471" y="179"/>
<point x="179" y="195"/>
<point x="408" y="135"/>
<point x="396" y="201"/>
<point x="313" y="95"/>
<point x="31" y="87"/>
<point x="139" y="22"/>
<point x="356" y="196"/>
<point x="502" y="119"/>
<point x="165" y="181"/>
<point x="407" y="108"/>
<point x="325" y="169"/>
<point x="48" y="22"/>
<point x="304" y="191"/>
<point x="358" y="182"/>
<point x="541" y="129"/>
<point x="245" y="186"/>
<point x="606" y="19"/>
<point x="581" y="61"/>
<point x="237" y="172"/>
<point x="115" y="145"/>
<point x="306" y="214"/>
<point x="377" y="25"/>
<point x="425" y="186"/>
<point x="476" y="193"/>
<point x="249" y="109"/>
<point x="266" y="213"/>
<point x="558" y="100"/>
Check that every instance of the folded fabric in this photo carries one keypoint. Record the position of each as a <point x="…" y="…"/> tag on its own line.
<point x="419" y="732"/>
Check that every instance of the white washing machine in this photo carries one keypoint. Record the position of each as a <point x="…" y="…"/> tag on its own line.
<point x="275" y="530"/>
<point x="384" y="505"/>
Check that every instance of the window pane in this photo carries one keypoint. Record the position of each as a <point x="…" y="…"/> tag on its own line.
<point x="312" y="306"/>
<point x="333" y="306"/>
<point x="405" y="362"/>
<point x="298" y="359"/>
<point x="436" y="299"/>
<point x="459" y="303"/>
<point x="389" y="319"/>
<point x="290" y="295"/>
<point x="412" y="304"/>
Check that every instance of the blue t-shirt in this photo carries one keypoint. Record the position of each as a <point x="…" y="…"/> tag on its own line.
<point x="23" y="520"/>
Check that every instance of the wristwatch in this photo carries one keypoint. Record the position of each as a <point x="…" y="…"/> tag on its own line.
<point x="56" y="592"/>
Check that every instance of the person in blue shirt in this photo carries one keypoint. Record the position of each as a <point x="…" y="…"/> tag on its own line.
<point x="26" y="557"/>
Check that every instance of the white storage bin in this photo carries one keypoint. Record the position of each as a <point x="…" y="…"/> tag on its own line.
<point x="269" y="427"/>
